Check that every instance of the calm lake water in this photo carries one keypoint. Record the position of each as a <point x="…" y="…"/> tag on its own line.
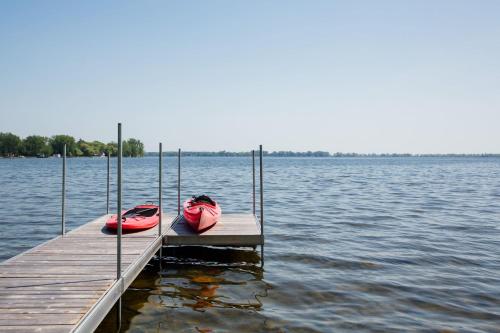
<point x="352" y="244"/>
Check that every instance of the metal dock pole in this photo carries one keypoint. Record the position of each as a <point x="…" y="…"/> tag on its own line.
<point x="107" y="189"/>
<point x="179" y="182"/>
<point x="119" y="206"/>
<point x="261" y="208"/>
<point x="159" y="189"/>
<point x="63" y="205"/>
<point x="119" y="222"/>
<point x="261" y="195"/>
<point x="253" y="178"/>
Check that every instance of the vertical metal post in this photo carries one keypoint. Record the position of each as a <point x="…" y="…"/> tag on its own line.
<point x="63" y="206"/>
<point x="261" y="195"/>
<point x="253" y="179"/>
<point x="107" y="187"/>
<point x="119" y="206"/>
<point x="159" y="189"/>
<point x="119" y="315"/>
<point x="179" y="182"/>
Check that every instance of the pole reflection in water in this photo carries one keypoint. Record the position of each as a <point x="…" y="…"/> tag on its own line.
<point x="194" y="289"/>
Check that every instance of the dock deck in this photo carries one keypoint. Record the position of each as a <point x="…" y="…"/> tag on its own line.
<point x="68" y="284"/>
<point x="231" y="230"/>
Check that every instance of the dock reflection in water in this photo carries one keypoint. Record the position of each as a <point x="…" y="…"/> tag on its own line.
<point x="195" y="289"/>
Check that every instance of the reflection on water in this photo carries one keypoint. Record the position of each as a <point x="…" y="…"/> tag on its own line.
<point x="194" y="289"/>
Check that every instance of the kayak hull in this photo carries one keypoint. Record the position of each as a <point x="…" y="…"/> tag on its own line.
<point x="139" y="218"/>
<point x="201" y="216"/>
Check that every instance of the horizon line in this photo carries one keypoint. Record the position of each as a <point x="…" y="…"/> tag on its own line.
<point x="317" y="153"/>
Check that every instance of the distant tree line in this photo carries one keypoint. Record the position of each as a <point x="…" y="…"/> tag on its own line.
<point x="40" y="146"/>
<point x="312" y="154"/>
<point x="299" y="154"/>
<point x="224" y="153"/>
<point x="412" y="155"/>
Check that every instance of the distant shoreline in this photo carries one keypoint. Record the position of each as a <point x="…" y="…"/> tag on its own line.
<point x="12" y="145"/>
<point x="273" y="154"/>
<point x="311" y="154"/>
<point x="197" y="154"/>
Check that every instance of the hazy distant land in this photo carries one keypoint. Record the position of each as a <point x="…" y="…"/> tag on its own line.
<point x="311" y="154"/>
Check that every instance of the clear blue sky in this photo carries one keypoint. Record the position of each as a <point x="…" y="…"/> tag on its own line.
<point x="363" y="76"/>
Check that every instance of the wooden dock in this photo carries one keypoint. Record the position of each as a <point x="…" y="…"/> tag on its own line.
<point x="68" y="284"/>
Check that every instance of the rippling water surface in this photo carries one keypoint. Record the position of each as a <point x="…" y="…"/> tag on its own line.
<point x="352" y="244"/>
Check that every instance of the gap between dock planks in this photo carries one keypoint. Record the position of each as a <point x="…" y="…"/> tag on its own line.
<point x="68" y="284"/>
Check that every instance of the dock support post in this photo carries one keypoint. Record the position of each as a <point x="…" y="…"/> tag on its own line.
<point x="119" y="206"/>
<point x="261" y="195"/>
<point x="107" y="186"/>
<point x="179" y="182"/>
<point x="160" y="188"/>
<point x="119" y="220"/>
<point x="253" y="178"/>
<point x="261" y="207"/>
<point x="63" y="194"/>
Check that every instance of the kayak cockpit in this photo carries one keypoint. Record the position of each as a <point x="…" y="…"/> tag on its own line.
<point x="141" y="211"/>
<point x="140" y="217"/>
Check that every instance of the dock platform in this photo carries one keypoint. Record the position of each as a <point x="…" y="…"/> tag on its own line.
<point x="68" y="284"/>
<point x="231" y="230"/>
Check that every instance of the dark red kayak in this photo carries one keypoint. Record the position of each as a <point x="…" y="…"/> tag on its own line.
<point x="141" y="217"/>
<point x="201" y="213"/>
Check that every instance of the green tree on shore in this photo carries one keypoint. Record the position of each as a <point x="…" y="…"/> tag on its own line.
<point x="112" y="148"/>
<point x="10" y="144"/>
<point x="131" y="148"/>
<point x="58" y="141"/>
<point x="135" y="148"/>
<point x="36" y="145"/>
<point x="94" y="148"/>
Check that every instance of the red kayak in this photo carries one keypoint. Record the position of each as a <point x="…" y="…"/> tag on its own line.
<point x="141" y="217"/>
<point x="201" y="213"/>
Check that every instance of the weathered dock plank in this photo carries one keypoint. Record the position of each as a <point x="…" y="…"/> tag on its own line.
<point x="36" y="328"/>
<point x="68" y="284"/>
<point x="41" y="318"/>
